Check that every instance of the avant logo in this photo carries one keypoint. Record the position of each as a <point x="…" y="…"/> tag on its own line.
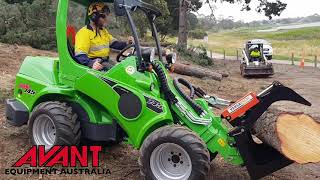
<point x="67" y="156"/>
<point x="27" y="89"/>
<point x="130" y="70"/>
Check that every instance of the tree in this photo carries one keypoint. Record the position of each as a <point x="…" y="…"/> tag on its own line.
<point x="192" y="21"/>
<point x="184" y="7"/>
<point x="142" y="23"/>
<point x="28" y="22"/>
<point x="270" y="9"/>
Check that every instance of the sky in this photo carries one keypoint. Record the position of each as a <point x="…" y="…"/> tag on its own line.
<point x="295" y="8"/>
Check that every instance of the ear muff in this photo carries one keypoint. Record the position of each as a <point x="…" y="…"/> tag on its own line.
<point x="95" y="11"/>
<point x="95" y="17"/>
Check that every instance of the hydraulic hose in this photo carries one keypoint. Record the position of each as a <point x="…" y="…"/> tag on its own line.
<point x="164" y="83"/>
<point x="189" y="99"/>
<point x="168" y="93"/>
<point x="170" y="97"/>
<point x="185" y="83"/>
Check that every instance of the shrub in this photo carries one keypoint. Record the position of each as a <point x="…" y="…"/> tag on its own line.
<point x="195" y="54"/>
<point x="197" y="34"/>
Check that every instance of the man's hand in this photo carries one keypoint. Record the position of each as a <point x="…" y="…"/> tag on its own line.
<point x="130" y="40"/>
<point x="97" y="65"/>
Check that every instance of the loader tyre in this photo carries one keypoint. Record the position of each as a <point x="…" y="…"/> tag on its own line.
<point x="242" y="69"/>
<point x="174" y="152"/>
<point x="53" y="123"/>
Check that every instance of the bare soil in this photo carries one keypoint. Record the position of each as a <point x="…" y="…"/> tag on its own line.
<point x="122" y="159"/>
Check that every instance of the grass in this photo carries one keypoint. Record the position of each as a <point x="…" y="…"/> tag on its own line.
<point x="285" y="42"/>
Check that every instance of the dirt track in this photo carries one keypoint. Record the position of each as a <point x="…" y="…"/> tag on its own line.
<point x="122" y="159"/>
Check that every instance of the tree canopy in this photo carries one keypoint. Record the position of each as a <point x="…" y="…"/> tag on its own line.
<point x="267" y="7"/>
<point x="32" y="22"/>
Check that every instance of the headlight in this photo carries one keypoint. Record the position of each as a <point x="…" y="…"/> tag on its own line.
<point x="148" y="54"/>
<point x="171" y="58"/>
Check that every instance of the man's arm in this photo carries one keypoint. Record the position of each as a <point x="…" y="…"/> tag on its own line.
<point x="118" y="45"/>
<point x="82" y="46"/>
<point x="85" y="60"/>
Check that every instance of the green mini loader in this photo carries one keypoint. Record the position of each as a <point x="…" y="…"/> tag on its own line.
<point x="136" y="101"/>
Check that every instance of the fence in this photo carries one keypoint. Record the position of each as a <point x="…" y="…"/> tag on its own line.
<point x="237" y="55"/>
<point x="315" y="61"/>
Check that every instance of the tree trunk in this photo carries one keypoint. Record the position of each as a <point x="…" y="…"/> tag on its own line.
<point x="183" y="33"/>
<point x="196" y="72"/>
<point x="295" y="135"/>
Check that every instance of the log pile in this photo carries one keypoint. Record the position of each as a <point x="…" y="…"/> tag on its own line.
<point x="295" y="135"/>
<point x="194" y="71"/>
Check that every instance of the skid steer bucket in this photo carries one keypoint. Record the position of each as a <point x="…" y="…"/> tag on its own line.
<point x="261" y="70"/>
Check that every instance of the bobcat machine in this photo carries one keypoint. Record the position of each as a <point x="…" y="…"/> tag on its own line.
<point x="177" y="133"/>
<point x="250" y="66"/>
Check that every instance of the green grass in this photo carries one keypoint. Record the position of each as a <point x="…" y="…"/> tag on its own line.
<point x="298" y="41"/>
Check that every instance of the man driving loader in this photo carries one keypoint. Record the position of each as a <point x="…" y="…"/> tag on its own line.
<point x="93" y="42"/>
<point x="255" y="53"/>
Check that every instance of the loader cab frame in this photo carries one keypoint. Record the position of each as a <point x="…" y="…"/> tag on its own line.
<point x="248" y="50"/>
<point x="69" y="69"/>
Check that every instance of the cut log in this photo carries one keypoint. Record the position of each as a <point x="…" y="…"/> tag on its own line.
<point x="295" y="135"/>
<point x="196" y="72"/>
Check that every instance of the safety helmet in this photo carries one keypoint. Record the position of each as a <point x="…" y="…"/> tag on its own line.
<point x="96" y="9"/>
<point x="254" y="47"/>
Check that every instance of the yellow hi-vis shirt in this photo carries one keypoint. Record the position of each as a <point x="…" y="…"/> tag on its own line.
<point x="255" y="54"/>
<point x="92" y="44"/>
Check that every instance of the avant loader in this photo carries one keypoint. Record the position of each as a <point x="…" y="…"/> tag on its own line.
<point x="136" y="101"/>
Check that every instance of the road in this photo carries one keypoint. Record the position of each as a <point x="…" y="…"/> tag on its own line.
<point x="275" y="61"/>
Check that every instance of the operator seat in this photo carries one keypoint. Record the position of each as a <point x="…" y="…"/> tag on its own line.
<point x="71" y="36"/>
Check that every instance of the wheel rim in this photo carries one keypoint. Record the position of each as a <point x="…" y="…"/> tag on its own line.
<point x="170" y="161"/>
<point x="44" y="131"/>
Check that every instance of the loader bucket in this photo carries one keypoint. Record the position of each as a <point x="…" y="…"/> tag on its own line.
<point x="261" y="70"/>
<point x="262" y="159"/>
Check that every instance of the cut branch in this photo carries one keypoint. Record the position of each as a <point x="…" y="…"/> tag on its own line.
<point x="196" y="72"/>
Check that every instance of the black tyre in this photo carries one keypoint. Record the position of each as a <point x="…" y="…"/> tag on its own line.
<point x="242" y="69"/>
<point x="54" y="123"/>
<point x="174" y="152"/>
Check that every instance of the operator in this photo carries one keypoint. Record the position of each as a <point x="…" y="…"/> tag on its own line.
<point x="93" y="42"/>
<point x="255" y="53"/>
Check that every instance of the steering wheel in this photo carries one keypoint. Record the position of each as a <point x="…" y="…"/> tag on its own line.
<point x="120" y="55"/>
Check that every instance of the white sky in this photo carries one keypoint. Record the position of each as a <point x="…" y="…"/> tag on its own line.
<point x="295" y="8"/>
